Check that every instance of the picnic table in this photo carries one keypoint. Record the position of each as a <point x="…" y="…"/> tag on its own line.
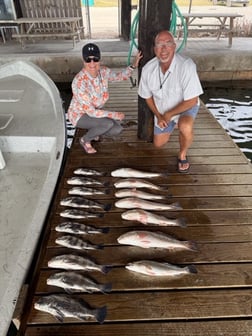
<point x="39" y="27"/>
<point x="216" y="22"/>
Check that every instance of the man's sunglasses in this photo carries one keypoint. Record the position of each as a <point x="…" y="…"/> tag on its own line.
<point x="90" y="59"/>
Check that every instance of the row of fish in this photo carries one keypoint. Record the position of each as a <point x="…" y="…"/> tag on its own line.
<point x="140" y="205"/>
<point x="70" y="279"/>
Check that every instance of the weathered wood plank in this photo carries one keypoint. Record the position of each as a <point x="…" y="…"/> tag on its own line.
<point x="165" y="306"/>
<point x="188" y="328"/>
<point x="193" y="218"/>
<point x="121" y="255"/>
<point x="196" y="204"/>
<point x="209" y="276"/>
<point x="203" y="234"/>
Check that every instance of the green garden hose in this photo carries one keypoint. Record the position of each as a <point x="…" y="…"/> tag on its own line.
<point x="173" y="29"/>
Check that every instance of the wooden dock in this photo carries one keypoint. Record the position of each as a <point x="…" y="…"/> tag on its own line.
<point x="216" y="197"/>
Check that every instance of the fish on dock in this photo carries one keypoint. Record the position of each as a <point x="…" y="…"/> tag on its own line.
<point x="134" y="202"/>
<point x="73" y="282"/>
<point x="79" y="214"/>
<point x="154" y="268"/>
<point x="76" y="262"/>
<point x="147" y="217"/>
<point x="136" y="183"/>
<point x="148" y="239"/>
<point x="62" y="306"/>
<point x="130" y="172"/>
<point x="80" y="202"/>
<point x="133" y="192"/>
<point x="79" y="228"/>
<point x="85" y="191"/>
<point x="76" y="243"/>
<point x="88" y="172"/>
<point x="82" y="180"/>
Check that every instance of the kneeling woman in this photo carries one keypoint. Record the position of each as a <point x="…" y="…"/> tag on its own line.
<point x="90" y="93"/>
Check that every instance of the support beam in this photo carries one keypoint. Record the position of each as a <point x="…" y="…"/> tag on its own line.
<point x="154" y="16"/>
<point x="125" y="19"/>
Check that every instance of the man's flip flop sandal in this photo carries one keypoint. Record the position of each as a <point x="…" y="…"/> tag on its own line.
<point x="183" y="162"/>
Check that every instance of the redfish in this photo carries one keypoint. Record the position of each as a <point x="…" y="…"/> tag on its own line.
<point x="148" y="239"/>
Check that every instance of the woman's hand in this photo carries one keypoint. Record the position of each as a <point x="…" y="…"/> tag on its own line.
<point x="119" y="116"/>
<point x="138" y="57"/>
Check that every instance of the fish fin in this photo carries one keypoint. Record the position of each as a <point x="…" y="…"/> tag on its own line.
<point x="107" y="207"/>
<point x="106" y="184"/>
<point x="59" y="316"/>
<point x="176" y="206"/>
<point x="100" y="314"/>
<point x="182" y="222"/>
<point x="107" y="288"/>
<point x="192" y="245"/>
<point x="192" y="269"/>
<point x="70" y="290"/>
<point x="105" y="230"/>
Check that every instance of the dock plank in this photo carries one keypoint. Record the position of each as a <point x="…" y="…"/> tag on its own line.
<point x="189" y="328"/>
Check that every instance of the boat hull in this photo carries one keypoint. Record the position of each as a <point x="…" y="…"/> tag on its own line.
<point x="32" y="145"/>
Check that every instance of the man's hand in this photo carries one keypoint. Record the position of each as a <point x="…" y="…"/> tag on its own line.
<point x="161" y="122"/>
<point x="167" y="117"/>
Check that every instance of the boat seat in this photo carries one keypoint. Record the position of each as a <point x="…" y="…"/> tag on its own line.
<point x="5" y="119"/>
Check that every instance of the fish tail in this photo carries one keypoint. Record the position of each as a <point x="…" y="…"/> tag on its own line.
<point x="105" y="230"/>
<point x="105" y="269"/>
<point x="99" y="247"/>
<point x="176" y="206"/>
<point x="191" y="245"/>
<point x="106" y="192"/>
<point x="100" y="314"/>
<point x="99" y="215"/>
<point x="192" y="269"/>
<point x="107" y="207"/>
<point x="182" y="222"/>
<point x="106" y="288"/>
<point x="106" y="184"/>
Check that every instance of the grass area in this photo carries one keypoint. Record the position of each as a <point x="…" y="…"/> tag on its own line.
<point x="183" y="3"/>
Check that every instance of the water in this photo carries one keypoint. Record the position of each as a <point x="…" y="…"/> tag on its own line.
<point x="232" y="108"/>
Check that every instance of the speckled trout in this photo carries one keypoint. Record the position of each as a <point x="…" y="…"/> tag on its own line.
<point x="133" y="192"/>
<point x="136" y="183"/>
<point x="154" y="268"/>
<point x="147" y="217"/>
<point x="134" y="202"/>
<point x="129" y="172"/>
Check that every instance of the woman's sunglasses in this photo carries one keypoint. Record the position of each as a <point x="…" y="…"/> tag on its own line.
<point x="90" y="59"/>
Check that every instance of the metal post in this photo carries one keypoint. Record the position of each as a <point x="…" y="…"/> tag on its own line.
<point x="154" y="17"/>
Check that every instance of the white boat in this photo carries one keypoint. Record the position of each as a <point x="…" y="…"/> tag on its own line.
<point x="32" y="145"/>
